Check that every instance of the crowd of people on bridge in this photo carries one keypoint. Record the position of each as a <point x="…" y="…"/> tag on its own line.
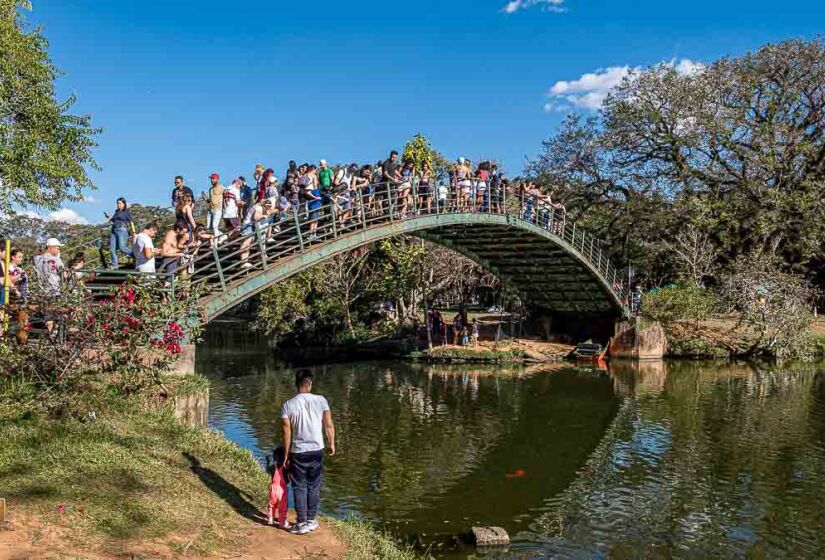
<point x="310" y="197"/>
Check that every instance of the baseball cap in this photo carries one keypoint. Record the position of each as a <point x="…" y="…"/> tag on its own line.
<point x="214" y="176"/>
<point x="323" y="162"/>
<point x="52" y="242"/>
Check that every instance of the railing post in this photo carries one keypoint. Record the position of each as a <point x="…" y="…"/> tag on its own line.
<point x="503" y="198"/>
<point x="414" y="184"/>
<point x="219" y="267"/>
<point x="362" y="207"/>
<point x="261" y="243"/>
<point x="599" y="261"/>
<point x="389" y="197"/>
<point x="298" y="229"/>
<point x="573" y="240"/>
<point x="333" y="210"/>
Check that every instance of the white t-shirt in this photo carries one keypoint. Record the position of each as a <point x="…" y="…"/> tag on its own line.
<point x="50" y="273"/>
<point x="442" y="192"/>
<point x="230" y="203"/>
<point x="142" y="263"/>
<point x="305" y="412"/>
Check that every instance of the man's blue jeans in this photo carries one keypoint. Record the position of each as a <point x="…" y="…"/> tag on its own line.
<point x="305" y="471"/>
<point x="118" y="240"/>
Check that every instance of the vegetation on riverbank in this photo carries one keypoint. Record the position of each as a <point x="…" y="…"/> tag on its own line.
<point x="364" y="542"/>
<point x="459" y="354"/>
<point x="755" y="311"/>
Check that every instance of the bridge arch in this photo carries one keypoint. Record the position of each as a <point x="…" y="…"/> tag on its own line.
<point x="558" y="269"/>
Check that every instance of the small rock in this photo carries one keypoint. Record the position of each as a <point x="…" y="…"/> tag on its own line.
<point x="491" y="536"/>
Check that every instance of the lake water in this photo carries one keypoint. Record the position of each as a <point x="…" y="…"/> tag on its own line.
<point x="659" y="460"/>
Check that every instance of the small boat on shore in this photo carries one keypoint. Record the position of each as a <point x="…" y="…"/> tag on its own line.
<point x="589" y="351"/>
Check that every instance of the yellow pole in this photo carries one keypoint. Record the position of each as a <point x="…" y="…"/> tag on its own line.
<point x="6" y="283"/>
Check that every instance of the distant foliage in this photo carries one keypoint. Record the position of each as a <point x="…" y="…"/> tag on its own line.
<point x="419" y="151"/>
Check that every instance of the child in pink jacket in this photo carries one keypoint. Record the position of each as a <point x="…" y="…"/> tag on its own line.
<point x="278" y="491"/>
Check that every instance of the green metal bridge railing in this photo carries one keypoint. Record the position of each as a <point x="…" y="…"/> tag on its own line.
<point x="297" y="230"/>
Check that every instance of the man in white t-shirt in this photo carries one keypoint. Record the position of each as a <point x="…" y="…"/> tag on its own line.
<point x="305" y="417"/>
<point x="144" y="249"/>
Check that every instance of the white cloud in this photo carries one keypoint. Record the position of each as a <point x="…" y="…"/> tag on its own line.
<point x="90" y="199"/>
<point x="590" y="90"/>
<point x="547" y="5"/>
<point x="68" y="216"/>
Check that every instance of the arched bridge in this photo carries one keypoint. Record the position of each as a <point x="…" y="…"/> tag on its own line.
<point x="553" y="265"/>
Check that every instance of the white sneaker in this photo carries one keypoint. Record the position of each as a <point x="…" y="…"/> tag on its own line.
<point x="312" y="524"/>
<point x="246" y="265"/>
<point x="300" y="529"/>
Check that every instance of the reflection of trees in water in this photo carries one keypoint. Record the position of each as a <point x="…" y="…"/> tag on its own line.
<point x="402" y="436"/>
<point x="411" y="436"/>
<point x="724" y="457"/>
<point x="421" y="444"/>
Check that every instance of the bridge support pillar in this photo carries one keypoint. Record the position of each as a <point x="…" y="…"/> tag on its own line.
<point x="185" y="364"/>
<point x="638" y="339"/>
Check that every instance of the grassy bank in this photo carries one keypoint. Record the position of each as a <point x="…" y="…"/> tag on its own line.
<point x="364" y="542"/>
<point x="136" y="476"/>
<point x="462" y="354"/>
<point x="136" y="480"/>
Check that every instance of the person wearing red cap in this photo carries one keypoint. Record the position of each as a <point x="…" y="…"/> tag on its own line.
<point x="215" y="205"/>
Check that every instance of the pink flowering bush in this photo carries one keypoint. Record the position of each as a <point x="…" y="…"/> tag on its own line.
<point x="122" y="342"/>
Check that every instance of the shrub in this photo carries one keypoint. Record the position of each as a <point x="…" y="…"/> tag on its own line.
<point x="675" y="304"/>
<point x="122" y="344"/>
<point x="774" y="308"/>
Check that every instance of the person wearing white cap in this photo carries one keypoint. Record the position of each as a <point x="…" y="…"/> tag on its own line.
<point x="49" y="267"/>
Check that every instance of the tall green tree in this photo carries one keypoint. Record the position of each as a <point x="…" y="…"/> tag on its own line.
<point x="45" y="151"/>
<point x="742" y="140"/>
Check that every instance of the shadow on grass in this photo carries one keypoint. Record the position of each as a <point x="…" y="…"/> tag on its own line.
<point x="227" y="491"/>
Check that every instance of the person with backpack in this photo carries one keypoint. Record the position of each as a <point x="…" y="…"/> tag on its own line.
<point x="231" y="206"/>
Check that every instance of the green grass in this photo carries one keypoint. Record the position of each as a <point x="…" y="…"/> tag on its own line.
<point x="133" y="476"/>
<point x="367" y="543"/>
<point x="448" y="353"/>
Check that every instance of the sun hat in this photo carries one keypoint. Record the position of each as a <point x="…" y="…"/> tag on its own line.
<point x="52" y="242"/>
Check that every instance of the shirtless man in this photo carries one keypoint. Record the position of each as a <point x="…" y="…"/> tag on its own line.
<point x="174" y="243"/>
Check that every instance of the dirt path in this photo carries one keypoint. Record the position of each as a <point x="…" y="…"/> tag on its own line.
<point x="29" y="539"/>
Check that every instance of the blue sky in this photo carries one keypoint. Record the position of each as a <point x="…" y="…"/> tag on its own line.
<point x="200" y="86"/>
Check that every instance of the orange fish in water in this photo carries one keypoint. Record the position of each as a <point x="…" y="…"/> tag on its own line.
<point x="518" y="473"/>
